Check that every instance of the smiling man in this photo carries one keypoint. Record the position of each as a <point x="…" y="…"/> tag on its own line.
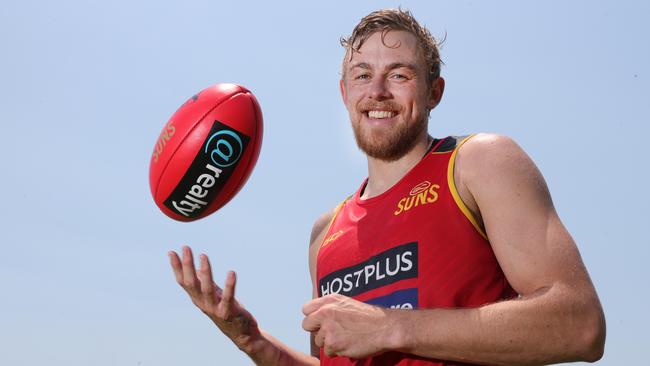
<point x="449" y="253"/>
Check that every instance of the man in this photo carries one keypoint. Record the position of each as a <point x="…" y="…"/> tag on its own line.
<point x="450" y="250"/>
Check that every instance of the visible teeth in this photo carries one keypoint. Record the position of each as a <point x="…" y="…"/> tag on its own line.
<point x="381" y="114"/>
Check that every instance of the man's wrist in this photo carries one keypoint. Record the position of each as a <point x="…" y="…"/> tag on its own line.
<point x="264" y="349"/>
<point x="252" y="345"/>
<point x="398" y="330"/>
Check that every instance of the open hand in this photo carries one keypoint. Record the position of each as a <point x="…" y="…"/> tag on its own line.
<point x="219" y="305"/>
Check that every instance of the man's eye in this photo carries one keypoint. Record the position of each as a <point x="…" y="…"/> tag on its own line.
<point x="362" y="77"/>
<point x="399" y="77"/>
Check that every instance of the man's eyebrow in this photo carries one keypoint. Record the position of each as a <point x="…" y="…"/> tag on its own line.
<point x="394" y="65"/>
<point x="397" y="65"/>
<point x="362" y="65"/>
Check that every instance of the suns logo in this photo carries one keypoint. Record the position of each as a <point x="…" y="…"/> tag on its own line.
<point x="164" y="137"/>
<point x="422" y="194"/>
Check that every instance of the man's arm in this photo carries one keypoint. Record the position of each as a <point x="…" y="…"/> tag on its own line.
<point x="318" y="232"/>
<point x="230" y="316"/>
<point x="557" y="318"/>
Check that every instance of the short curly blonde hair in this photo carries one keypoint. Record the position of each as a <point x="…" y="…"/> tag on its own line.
<point x="385" y="20"/>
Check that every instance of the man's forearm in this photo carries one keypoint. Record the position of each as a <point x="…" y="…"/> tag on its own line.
<point x="268" y="351"/>
<point x="548" y="326"/>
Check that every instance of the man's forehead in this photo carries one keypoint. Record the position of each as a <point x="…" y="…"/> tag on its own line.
<point x="391" y="39"/>
<point x="391" y="47"/>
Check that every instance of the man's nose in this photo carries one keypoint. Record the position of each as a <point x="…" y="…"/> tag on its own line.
<point x="379" y="89"/>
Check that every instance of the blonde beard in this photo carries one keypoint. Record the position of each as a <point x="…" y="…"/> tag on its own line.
<point x="390" y="145"/>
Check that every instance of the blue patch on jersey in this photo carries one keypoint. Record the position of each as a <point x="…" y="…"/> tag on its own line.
<point x="401" y="299"/>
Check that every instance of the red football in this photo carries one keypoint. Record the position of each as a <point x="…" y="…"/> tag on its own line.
<point x="206" y="152"/>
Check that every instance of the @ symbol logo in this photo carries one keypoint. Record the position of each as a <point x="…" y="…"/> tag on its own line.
<point x="227" y="148"/>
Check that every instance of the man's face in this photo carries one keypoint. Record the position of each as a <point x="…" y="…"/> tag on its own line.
<point x="385" y="89"/>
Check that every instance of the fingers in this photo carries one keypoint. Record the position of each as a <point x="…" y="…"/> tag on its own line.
<point x="228" y="294"/>
<point x="311" y="323"/>
<point x="189" y="272"/>
<point x="330" y="352"/>
<point x="186" y="275"/>
<point x="205" y="276"/>
<point x="176" y="266"/>
<point x="315" y="311"/>
<point x="219" y="304"/>
<point x="311" y="306"/>
<point x="320" y="340"/>
<point x="317" y="303"/>
<point x="228" y="306"/>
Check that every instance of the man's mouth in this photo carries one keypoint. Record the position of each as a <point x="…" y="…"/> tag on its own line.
<point x="380" y="114"/>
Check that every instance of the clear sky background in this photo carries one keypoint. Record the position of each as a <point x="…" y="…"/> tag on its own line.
<point x="86" y="86"/>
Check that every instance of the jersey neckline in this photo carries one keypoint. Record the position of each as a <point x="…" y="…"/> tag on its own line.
<point x="371" y="200"/>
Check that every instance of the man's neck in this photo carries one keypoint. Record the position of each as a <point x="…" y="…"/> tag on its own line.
<point x="384" y="174"/>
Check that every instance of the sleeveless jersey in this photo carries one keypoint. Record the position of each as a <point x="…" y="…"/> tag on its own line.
<point x="415" y="246"/>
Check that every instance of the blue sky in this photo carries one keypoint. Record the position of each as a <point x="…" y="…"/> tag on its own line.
<point x="86" y="86"/>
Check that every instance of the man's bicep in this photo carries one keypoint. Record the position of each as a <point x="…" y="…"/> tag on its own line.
<point x="530" y="242"/>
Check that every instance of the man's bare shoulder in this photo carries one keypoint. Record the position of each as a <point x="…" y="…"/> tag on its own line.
<point x="489" y="147"/>
<point x="489" y="163"/>
<point x="488" y="155"/>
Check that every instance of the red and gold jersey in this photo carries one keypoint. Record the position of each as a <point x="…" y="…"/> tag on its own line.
<point x="415" y="246"/>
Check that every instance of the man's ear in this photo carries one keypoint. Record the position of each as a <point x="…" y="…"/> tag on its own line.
<point x="342" y="87"/>
<point x="437" y="89"/>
